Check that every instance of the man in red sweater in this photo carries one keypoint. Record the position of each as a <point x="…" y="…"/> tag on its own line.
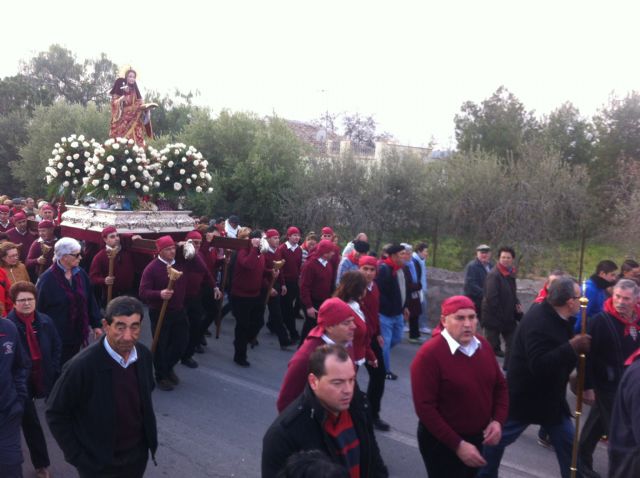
<point x="291" y="252"/>
<point x="316" y="283"/>
<point x="273" y="287"/>
<point x="246" y="301"/>
<point x="335" y="326"/>
<point x="459" y="393"/>
<point x="19" y="234"/>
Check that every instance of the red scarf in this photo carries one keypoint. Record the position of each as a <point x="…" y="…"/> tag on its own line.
<point x="394" y="267"/>
<point x="628" y="324"/>
<point x="542" y="294"/>
<point x="352" y="257"/>
<point x="506" y="272"/>
<point x="34" y="352"/>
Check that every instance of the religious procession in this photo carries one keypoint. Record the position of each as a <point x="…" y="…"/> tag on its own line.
<point x="115" y="246"/>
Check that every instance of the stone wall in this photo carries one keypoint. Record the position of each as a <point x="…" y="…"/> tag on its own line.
<point x="443" y="283"/>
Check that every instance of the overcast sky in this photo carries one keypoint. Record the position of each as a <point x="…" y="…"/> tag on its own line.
<point x="409" y="64"/>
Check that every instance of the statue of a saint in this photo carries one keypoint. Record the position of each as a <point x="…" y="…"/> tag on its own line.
<point x="130" y="116"/>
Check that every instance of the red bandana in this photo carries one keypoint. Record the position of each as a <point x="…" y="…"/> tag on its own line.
<point x="352" y="257"/>
<point x="393" y="265"/>
<point x="630" y="326"/>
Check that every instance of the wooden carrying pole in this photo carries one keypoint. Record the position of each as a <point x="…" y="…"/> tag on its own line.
<point x="111" y="254"/>
<point x="225" y="273"/>
<point x="277" y="265"/>
<point x="44" y="250"/>
<point x="174" y="275"/>
<point x="582" y="359"/>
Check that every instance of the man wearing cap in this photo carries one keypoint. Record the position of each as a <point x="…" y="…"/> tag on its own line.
<point x="35" y="259"/>
<point x="392" y="302"/>
<point x="246" y="300"/>
<point x="459" y="394"/>
<point x="122" y="279"/>
<point x="274" y="292"/>
<point x="316" y="283"/>
<point x="48" y="213"/>
<point x="232" y="226"/>
<point x="327" y="234"/>
<point x="291" y="252"/>
<point x="199" y="281"/>
<point x="5" y="223"/>
<point x="19" y="234"/>
<point x="350" y="261"/>
<point x="336" y="325"/>
<point x="65" y="295"/>
<point x="475" y="274"/>
<point x="153" y="291"/>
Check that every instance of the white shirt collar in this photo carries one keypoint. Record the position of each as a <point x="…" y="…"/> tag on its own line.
<point x="454" y="345"/>
<point x="356" y="308"/>
<point x="162" y="260"/>
<point x="370" y="287"/>
<point x="327" y="340"/>
<point x="133" y="356"/>
<point x="322" y="261"/>
<point x="292" y="247"/>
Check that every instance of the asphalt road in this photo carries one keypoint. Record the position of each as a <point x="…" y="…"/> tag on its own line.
<point x="212" y="424"/>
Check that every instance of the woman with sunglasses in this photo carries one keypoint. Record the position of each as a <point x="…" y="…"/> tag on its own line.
<point x="65" y="295"/>
<point x="10" y="261"/>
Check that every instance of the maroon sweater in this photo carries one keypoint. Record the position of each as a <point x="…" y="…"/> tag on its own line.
<point x="35" y="251"/>
<point x="296" y="375"/>
<point x="371" y="307"/>
<point x="123" y="271"/>
<point x="155" y="279"/>
<point x="248" y="273"/>
<point x="269" y="257"/>
<point x="316" y="283"/>
<point x="457" y="395"/>
<point x="128" y="407"/>
<point x="291" y="269"/>
<point x="197" y="276"/>
<point x="25" y="240"/>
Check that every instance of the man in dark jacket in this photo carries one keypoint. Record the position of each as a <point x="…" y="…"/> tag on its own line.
<point x="500" y="305"/>
<point x="475" y="275"/>
<point x="100" y="410"/>
<point x="329" y="416"/>
<point x="544" y="354"/>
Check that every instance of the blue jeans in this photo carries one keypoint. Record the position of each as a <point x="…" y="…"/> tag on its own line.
<point x="391" y="328"/>
<point x="560" y="435"/>
<point x="423" y="321"/>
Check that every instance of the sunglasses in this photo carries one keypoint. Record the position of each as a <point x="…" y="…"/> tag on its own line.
<point x="76" y="255"/>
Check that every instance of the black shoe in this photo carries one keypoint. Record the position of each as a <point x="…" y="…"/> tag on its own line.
<point x="172" y="377"/>
<point x="189" y="362"/>
<point x="242" y="362"/>
<point x="199" y="349"/>
<point x="381" y="425"/>
<point x="164" y="385"/>
<point x="499" y="353"/>
<point x="203" y="342"/>
<point x="391" y="376"/>
<point x="207" y="333"/>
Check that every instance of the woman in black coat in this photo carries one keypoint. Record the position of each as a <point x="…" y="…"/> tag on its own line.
<point x="40" y="339"/>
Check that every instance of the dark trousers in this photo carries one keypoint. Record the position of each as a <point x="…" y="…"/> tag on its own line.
<point x="493" y="337"/>
<point x="441" y="461"/>
<point x="414" y="327"/>
<point x="275" y="323"/>
<point x="309" y="322"/>
<point x="68" y="352"/>
<point x="195" y="314"/>
<point x="249" y="314"/>
<point x="172" y="342"/>
<point x="126" y="464"/>
<point x="10" y="451"/>
<point x="597" y="424"/>
<point x="211" y="308"/>
<point x="375" y="389"/>
<point x="288" y="305"/>
<point x="34" y="436"/>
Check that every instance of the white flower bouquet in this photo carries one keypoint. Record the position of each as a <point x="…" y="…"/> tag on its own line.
<point x="66" y="166"/>
<point x="179" y="170"/>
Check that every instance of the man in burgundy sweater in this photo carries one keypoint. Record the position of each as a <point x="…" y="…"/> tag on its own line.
<point x="291" y="252"/>
<point x="5" y="223"/>
<point x="459" y="393"/>
<point x="246" y="301"/>
<point x="174" y="335"/>
<point x="335" y="326"/>
<point x="274" y="287"/>
<point x="122" y="279"/>
<point x="21" y="235"/>
<point x="316" y="283"/>
<point x="36" y="261"/>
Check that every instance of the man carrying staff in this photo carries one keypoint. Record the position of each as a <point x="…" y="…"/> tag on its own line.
<point x="21" y="235"/>
<point x="36" y="260"/>
<point x="122" y="280"/>
<point x="153" y="291"/>
<point x="274" y="287"/>
<point x="291" y="252"/>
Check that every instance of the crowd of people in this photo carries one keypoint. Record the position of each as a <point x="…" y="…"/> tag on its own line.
<point x="72" y="316"/>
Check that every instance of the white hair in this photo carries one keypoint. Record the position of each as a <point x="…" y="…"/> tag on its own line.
<point x="65" y="246"/>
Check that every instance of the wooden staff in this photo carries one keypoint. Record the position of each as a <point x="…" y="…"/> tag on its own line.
<point x="44" y="250"/>
<point x="111" y="254"/>
<point x="582" y="359"/>
<point x="174" y="275"/>
<point x="277" y="265"/>
<point x="225" y="273"/>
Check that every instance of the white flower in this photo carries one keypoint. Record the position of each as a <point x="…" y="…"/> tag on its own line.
<point x="124" y="169"/>
<point x="136" y="185"/>
<point x="74" y="144"/>
<point x="177" y="186"/>
<point x="67" y="174"/>
<point x="145" y="188"/>
<point x="105" y="187"/>
<point x="85" y="144"/>
<point x="49" y="179"/>
<point x="140" y="168"/>
<point x="113" y="171"/>
<point x="122" y="140"/>
<point x="57" y="157"/>
<point x="208" y="176"/>
<point x="138" y="160"/>
<point x="131" y="141"/>
<point x="156" y="184"/>
<point x="123" y="183"/>
<point x="95" y="182"/>
<point x="77" y="171"/>
<point x="57" y="145"/>
<point x="129" y="160"/>
<point x="182" y="172"/>
<point x="60" y="165"/>
<point x="76" y="156"/>
<point x="81" y="137"/>
<point x="159" y="172"/>
<point x="126" y="151"/>
<point x="176" y="152"/>
<point x="51" y="162"/>
<point x="198" y="189"/>
<point x="132" y="178"/>
<point x="194" y="176"/>
<point x="85" y="180"/>
<point x="100" y="166"/>
<point x="106" y="177"/>
<point x="87" y="154"/>
<point x="170" y="164"/>
<point x="167" y="178"/>
<point x="68" y="158"/>
<point x="188" y="181"/>
<point x="75" y="181"/>
<point x="184" y="160"/>
<point x="70" y="164"/>
<point x="196" y="162"/>
<point x="110" y="158"/>
<point x="116" y="146"/>
<point x="202" y="175"/>
<point x="63" y="139"/>
<point x="65" y="184"/>
<point x="210" y="190"/>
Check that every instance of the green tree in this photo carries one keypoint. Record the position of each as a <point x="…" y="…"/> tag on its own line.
<point x="13" y="135"/>
<point x="499" y="125"/>
<point x="48" y="125"/>
<point x="573" y="136"/>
